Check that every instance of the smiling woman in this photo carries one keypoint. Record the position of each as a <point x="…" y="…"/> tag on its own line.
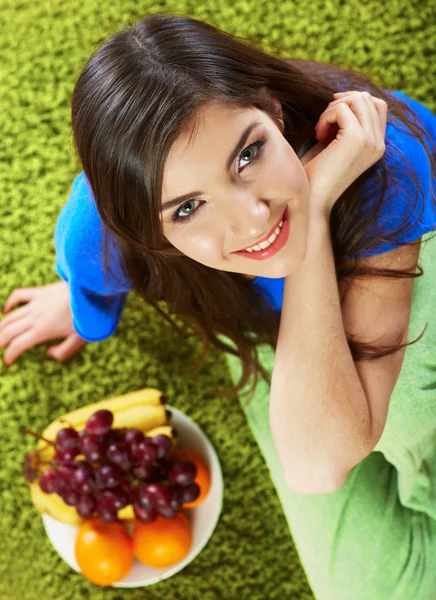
<point x="172" y="191"/>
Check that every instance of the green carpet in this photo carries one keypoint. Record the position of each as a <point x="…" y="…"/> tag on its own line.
<point x="43" y="45"/>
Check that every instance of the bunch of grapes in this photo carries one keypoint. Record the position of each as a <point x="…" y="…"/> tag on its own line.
<point x="122" y="467"/>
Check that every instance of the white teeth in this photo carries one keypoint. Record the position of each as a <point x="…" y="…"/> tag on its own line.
<point x="264" y="245"/>
<point x="272" y="238"/>
<point x="281" y="224"/>
<point x="256" y="248"/>
<point x="249" y="249"/>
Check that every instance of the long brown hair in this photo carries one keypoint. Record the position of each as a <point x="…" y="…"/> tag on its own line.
<point x="137" y="93"/>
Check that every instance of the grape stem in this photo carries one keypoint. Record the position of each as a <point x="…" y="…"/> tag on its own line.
<point x="39" y="437"/>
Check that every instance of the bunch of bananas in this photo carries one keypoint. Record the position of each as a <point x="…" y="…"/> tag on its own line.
<point x="144" y="410"/>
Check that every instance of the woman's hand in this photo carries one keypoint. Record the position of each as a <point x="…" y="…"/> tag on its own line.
<point x="46" y="315"/>
<point x="351" y="133"/>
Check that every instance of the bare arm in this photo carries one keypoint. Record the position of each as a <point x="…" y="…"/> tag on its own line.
<point x="319" y="414"/>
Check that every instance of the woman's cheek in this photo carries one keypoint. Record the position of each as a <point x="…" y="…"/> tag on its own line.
<point x="202" y="247"/>
<point x="284" y="174"/>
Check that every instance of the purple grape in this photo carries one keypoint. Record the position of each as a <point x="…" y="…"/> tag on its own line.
<point x="84" y="480"/>
<point x="143" y="498"/>
<point x="86" y="506"/>
<point x="71" y="497"/>
<point x="64" y="482"/>
<point x="60" y="486"/>
<point x="168" y="512"/>
<point x="134" y="436"/>
<point x="117" y="496"/>
<point x="108" y="476"/>
<point x="106" y="509"/>
<point x="128" y="489"/>
<point x="143" y="514"/>
<point x="183" y="472"/>
<point x="85" y="468"/>
<point x="159" y="494"/>
<point x="64" y="476"/>
<point x="145" y="452"/>
<point x="65" y="455"/>
<point x="163" y="445"/>
<point x="65" y="493"/>
<point x="177" y="497"/>
<point x="191" y="492"/>
<point x="118" y="453"/>
<point x="146" y="472"/>
<point x="78" y="462"/>
<point x="92" y="448"/>
<point x="114" y="435"/>
<point x="100" y="422"/>
<point x="122" y="498"/>
<point x="67" y="438"/>
<point x="47" y="481"/>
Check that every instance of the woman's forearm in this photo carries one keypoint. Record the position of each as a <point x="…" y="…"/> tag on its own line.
<point x="319" y="414"/>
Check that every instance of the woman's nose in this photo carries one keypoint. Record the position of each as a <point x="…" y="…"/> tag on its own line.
<point x="247" y="215"/>
<point x="249" y="220"/>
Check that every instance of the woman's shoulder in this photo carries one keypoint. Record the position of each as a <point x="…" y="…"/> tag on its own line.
<point x="79" y="234"/>
<point x="409" y="203"/>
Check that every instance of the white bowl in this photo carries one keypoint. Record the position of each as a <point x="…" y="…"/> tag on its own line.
<point x="203" y="518"/>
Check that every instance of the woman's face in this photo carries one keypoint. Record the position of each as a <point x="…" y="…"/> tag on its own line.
<point x="229" y="185"/>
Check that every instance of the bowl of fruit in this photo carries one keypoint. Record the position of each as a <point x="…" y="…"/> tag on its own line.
<point x="130" y="489"/>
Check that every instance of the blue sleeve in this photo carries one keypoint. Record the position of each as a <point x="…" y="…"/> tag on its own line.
<point x="404" y="204"/>
<point x="96" y="302"/>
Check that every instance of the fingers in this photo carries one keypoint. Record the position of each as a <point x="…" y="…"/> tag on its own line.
<point x="382" y="109"/>
<point x="13" y="329"/>
<point x="337" y="115"/>
<point x="380" y="106"/>
<point x="70" y="346"/>
<point x="18" y="345"/>
<point x="361" y="110"/>
<point x="18" y="313"/>
<point x="26" y="340"/>
<point x="19" y="296"/>
<point x="370" y="119"/>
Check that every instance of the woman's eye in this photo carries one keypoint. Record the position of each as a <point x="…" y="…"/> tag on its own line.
<point x="187" y="208"/>
<point x="250" y="153"/>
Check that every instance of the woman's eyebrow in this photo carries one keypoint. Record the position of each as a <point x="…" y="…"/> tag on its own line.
<point x="237" y="149"/>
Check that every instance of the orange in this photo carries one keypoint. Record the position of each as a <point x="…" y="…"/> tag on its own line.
<point x="202" y="478"/>
<point x="163" y="542"/>
<point x="104" y="551"/>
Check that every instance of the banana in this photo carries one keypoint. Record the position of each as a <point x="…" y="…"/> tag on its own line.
<point x="142" y="400"/>
<point x="144" y="410"/>
<point x="54" y="506"/>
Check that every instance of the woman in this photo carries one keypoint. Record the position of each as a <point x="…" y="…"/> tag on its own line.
<point x="238" y="188"/>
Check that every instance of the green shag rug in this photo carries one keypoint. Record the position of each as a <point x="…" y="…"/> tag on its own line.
<point x="43" y="46"/>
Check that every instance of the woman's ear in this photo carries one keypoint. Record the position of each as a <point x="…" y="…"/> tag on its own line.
<point x="277" y="110"/>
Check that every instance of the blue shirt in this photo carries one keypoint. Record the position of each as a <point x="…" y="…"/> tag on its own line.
<point x="97" y="305"/>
